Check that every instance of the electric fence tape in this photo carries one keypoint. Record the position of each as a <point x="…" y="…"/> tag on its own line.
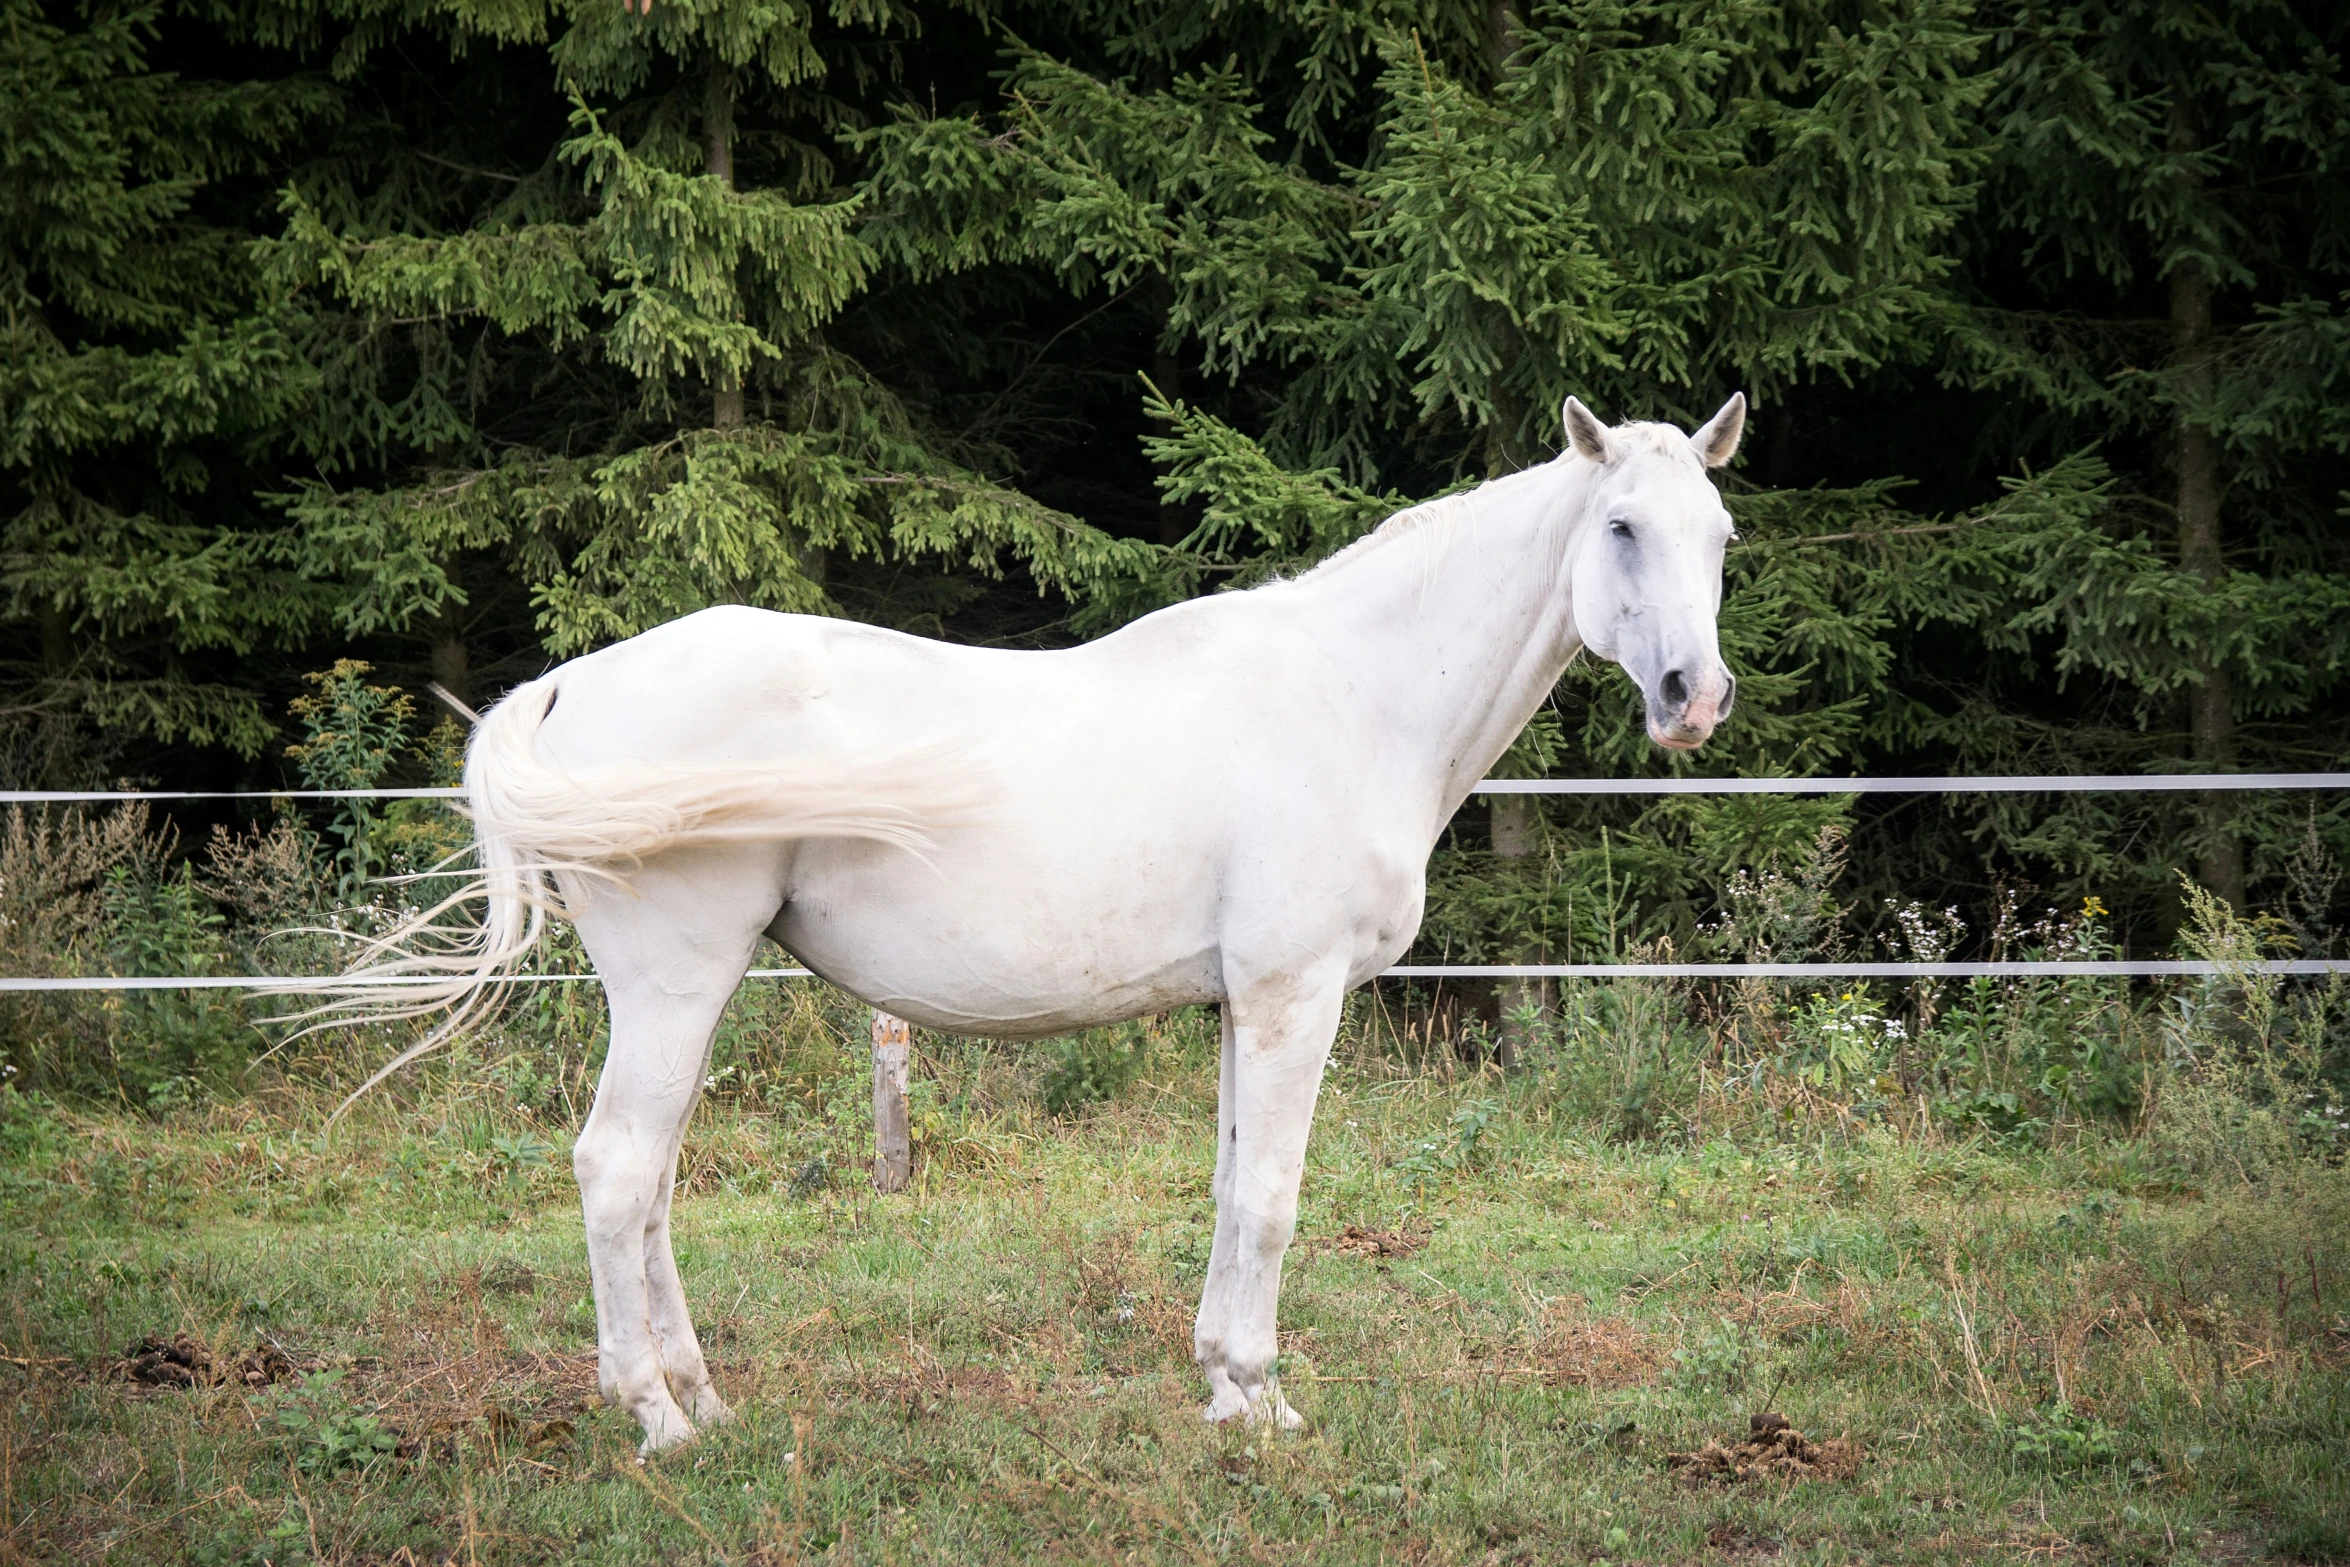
<point x="2062" y="783"/>
<point x="2078" y="783"/>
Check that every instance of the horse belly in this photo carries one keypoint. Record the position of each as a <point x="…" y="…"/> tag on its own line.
<point x="1005" y="945"/>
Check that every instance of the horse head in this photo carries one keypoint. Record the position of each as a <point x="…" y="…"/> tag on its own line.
<point x="1646" y="564"/>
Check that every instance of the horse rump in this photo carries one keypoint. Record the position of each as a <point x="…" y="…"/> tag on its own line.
<point x="546" y="838"/>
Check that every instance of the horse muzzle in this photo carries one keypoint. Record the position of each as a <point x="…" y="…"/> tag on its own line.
<point x="1682" y="712"/>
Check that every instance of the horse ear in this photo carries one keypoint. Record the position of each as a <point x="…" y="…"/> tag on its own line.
<point x="1717" y="443"/>
<point x="1586" y="433"/>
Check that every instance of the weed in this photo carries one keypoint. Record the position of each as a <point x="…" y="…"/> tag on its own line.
<point x="354" y="733"/>
<point x="519" y="1155"/>
<point x="1716" y="1363"/>
<point x="2060" y="1437"/>
<point x="321" y="1430"/>
<point x="1092" y="1067"/>
<point x="1432" y="1158"/>
<point x="240" y="1540"/>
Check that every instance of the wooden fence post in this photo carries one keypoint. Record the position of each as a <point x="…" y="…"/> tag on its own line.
<point x="893" y="1140"/>
<point x="1517" y="833"/>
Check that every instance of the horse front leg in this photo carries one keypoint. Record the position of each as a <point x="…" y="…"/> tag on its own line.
<point x="1277" y="1037"/>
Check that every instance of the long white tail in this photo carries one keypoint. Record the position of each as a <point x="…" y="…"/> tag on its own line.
<point x="545" y="838"/>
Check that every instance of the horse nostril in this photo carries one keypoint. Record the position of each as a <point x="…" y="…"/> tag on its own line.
<point x="1674" y="689"/>
<point x="1729" y="692"/>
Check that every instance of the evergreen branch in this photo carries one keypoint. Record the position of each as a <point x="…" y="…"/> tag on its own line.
<point x="1859" y="534"/>
<point x="467" y="168"/>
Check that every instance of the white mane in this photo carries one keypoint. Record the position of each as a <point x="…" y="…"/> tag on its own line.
<point x="1435" y="523"/>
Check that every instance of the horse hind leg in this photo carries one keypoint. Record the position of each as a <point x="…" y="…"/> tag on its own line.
<point x="1225" y="1400"/>
<point x="670" y="957"/>
<point x="680" y="1348"/>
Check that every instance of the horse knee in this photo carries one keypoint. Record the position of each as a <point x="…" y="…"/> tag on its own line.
<point x="1267" y="1233"/>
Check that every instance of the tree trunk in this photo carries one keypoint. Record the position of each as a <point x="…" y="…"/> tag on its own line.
<point x="1175" y="519"/>
<point x="450" y="668"/>
<point x="726" y="394"/>
<point x="58" y="753"/>
<point x="1515" y="819"/>
<point x="1505" y="34"/>
<point x="893" y="1132"/>
<point x="1517" y="832"/>
<point x="2211" y="719"/>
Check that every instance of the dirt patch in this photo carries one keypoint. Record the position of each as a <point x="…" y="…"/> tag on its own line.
<point x="1736" y="1539"/>
<point x="508" y="1277"/>
<point x="507" y="1403"/>
<point x="927" y="1392"/>
<point x="182" y="1361"/>
<point x="1598" y="1352"/>
<point x="499" y="1429"/>
<point x="1773" y="1450"/>
<point x="1355" y="1241"/>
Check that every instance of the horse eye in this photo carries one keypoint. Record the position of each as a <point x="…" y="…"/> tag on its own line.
<point x="1619" y="527"/>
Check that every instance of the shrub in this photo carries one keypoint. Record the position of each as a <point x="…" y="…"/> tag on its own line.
<point x="2249" y="1094"/>
<point x="1089" y="1068"/>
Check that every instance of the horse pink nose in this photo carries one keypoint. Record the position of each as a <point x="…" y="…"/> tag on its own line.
<point x="1692" y="707"/>
<point x="1675" y="688"/>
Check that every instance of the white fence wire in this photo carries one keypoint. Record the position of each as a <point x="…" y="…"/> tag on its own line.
<point x="2075" y="783"/>
<point x="2056" y="783"/>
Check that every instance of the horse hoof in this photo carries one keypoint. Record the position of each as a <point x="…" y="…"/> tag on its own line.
<point x="708" y="1409"/>
<point x="668" y="1441"/>
<point x="665" y="1428"/>
<point x="1267" y="1409"/>
<point x="1225" y="1408"/>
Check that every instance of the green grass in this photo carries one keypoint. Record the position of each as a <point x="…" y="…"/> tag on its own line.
<point x="2046" y="1356"/>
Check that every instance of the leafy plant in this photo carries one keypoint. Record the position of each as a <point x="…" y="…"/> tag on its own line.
<point x="163" y="1043"/>
<point x="323" y="1432"/>
<point x="1433" y="1158"/>
<point x="2061" y="1437"/>
<point x="1715" y="1363"/>
<point x="1089" y="1068"/>
<point x="355" y="733"/>
<point x="520" y="1155"/>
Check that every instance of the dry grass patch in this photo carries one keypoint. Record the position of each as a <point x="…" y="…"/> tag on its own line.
<point x="1597" y="1353"/>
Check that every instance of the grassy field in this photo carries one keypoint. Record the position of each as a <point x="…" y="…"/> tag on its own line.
<point x="1501" y="1327"/>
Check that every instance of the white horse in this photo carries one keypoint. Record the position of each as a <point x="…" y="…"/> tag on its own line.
<point x="1232" y="800"/>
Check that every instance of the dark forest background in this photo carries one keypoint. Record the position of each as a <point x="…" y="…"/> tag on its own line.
<point x="462" y="337"/>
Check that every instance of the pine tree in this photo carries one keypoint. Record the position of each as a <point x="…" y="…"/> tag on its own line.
<point x="2163" y="248"/>
<point x="680" y="254"/>
<point x="461" y="338"/>
<point x="1648" y="204"/>
<point x="1644" y="205"/>
<point x="147" y="379"/>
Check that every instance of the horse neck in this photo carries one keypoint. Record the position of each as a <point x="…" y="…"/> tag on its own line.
<point x="1457" y="631"/>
